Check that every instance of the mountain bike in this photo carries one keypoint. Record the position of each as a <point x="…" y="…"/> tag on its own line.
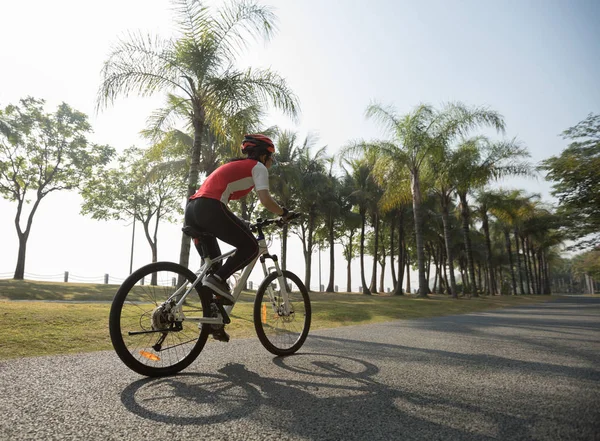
<point x="161" y="316"/>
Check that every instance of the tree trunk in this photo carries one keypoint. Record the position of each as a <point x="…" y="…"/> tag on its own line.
<point x="510" y="260"/>
<point x="349" y="269"/>
<point x="449" y="254"/>
<point x="468" y="247"/>
<point x="308" y="253"/>
<point x="428" y="265"/>
<point x="408" y="291"/>
<point x="519" y="271"/>
<point x="365" y="289"/>
<point x="349" y="276"/>
<point x="416" y="196"/>
<point x="540" y="264"/>
<point x="392" y="268"/>
<point x="20" y="268"/>
<point x="498" y="279"/>
<point x="547" y="290"/>
<point x="446" y="284"/>
<point x="198" y="122"/>
<point x="373" y="285"/>
<point x="284" y="235"/>
<point x="488" y="254"/>
<point x="437" y="271"/>
<point x="24" y="235"/>
<point x="535" y="270"/>
<point x="382" y="276"/>
<point x="401" y="254"/>
<point x="331" y="258"/>
<point x="529" y="266"/>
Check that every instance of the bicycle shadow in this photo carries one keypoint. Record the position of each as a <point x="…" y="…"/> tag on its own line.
<point x="317" y="396"/>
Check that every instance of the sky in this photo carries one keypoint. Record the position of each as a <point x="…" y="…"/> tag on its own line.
<point x="535" y="62"/>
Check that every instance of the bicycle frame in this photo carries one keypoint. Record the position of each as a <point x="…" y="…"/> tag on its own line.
<point x="263" y="254"/>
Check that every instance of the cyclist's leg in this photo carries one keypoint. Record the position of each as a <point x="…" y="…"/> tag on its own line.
<point x="234" y="232"/>
<point x="213" y="216"/>
<point x="195" y="212"/>
<point x="193" y="216"/>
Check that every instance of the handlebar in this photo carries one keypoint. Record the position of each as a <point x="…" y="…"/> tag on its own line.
<point x="280" y="221"/>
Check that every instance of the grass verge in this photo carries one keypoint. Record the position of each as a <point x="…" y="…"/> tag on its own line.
<point x="36" y="328"/>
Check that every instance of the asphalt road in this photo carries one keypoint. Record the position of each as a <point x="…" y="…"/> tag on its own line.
<point x="521" y="373"/>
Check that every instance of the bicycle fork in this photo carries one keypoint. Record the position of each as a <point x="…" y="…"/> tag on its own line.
<point x="282" y="284"/>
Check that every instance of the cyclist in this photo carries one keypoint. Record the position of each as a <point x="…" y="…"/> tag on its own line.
<point x="207" y="211"/>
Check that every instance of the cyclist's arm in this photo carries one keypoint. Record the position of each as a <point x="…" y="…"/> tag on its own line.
<point x="269" y="203"/>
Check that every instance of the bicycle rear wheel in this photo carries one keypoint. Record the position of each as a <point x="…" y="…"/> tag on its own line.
<point x="281" y="333"/>
<point x="149" y="335"/>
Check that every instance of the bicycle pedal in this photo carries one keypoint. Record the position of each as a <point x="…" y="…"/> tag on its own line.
<point x="226" y="319"/>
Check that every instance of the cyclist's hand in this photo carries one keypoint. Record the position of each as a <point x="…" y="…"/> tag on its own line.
<point x="289" y="216"/>
<point x="248" y="224"/>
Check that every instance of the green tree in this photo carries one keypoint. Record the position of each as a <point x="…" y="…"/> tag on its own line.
<point x="483" y="161"/>
<point x="331" y="205"/>
<point x="362" y="197"/>
<point x="41" y="153"/>
<point x="414" y="137"/>
<point x="511" y="209"/>
<point x="576" y="176"/>
<point x="445" y="165"/>
<point x="285" y="176"/>
<point x="196" y="69"/>
<point x="351" y="223"/>
<point x="587" y="265"/>
<point x="138" y="189"/>
<point x="309" y="193"/>
<point x="485" y="201"/>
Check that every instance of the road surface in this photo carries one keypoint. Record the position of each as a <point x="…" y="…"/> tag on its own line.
<point x="514" y="374"/>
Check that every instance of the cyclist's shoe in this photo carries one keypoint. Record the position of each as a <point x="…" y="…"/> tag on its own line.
<point x="220" y="288"/>
<point x="219" y="334"/>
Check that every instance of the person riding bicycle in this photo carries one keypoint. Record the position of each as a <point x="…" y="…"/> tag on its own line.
<point x="207" y="211"/>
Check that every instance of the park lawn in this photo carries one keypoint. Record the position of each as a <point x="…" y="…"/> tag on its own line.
<point x="33" y="328"/>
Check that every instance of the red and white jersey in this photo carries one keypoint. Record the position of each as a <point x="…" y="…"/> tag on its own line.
<point x="234" y="180"/>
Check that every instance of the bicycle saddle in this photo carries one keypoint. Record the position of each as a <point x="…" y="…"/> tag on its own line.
<point x="193" y="232"/>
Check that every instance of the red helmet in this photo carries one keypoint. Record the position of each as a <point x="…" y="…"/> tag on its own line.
<point x="257" y="144"/>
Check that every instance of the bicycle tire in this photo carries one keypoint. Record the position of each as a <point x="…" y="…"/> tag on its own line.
<point x="135" y="307"/>
<point x="280" y="334"/>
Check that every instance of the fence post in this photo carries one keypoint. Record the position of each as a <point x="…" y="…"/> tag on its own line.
<point x="322" y="288"/>
<point x="336" y="288"/>
<point x="142" y="282"/>
<point x="106" y="279"/>
<point x="173" y="282"/>
<point x="66" y="276"/>
<point x="250" y="284"/>
<point x="359" y="288"/>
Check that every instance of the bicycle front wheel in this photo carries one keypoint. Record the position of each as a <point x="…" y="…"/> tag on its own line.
<point x="281" y="332"/>
<point x="149" y="334"/>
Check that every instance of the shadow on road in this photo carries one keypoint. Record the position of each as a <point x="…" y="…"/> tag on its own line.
<point x="385" y="391"/>
<point x="315" y="396"/>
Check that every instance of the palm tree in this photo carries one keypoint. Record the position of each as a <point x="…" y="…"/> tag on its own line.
<point x="445" y="165"/>
<point x="362" y="196"/>
<point x="395" y="197"/>
<point x="196" y="69"/>
<point x="309" y="195"/>
<point x="483" y="161"/>
<point x="350" y="223"/>
<point x="511" y="211"/>
<point x="487" y="200"/>
<point x="285" y="176"/>
<point x="332" y="204"/>
<point x="414" y="137"/>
